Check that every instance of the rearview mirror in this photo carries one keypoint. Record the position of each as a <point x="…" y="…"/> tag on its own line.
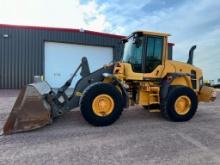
<point x="137" y="42"/>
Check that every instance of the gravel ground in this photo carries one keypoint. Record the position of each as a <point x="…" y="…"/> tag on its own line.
<point x="138" y="137"/>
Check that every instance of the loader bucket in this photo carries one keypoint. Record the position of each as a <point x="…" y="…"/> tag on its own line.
<point x="30" y="110"/>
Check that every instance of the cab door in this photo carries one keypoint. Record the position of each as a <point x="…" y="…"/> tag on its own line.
<point x="153" y="56"/>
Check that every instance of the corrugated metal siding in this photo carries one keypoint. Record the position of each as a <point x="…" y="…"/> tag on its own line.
<point x="22" y="53"/>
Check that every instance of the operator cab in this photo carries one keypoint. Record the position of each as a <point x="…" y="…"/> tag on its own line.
<point x="145" y="50"/>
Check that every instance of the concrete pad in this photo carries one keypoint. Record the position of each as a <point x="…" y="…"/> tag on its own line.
<point x="138" y="137"/>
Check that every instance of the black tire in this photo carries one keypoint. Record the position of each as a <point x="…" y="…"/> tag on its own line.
<point x="168" y="105"/>
<point x="87" y="100"/>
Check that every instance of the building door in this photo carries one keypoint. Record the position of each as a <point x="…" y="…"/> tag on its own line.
<point x="62" y="59"/>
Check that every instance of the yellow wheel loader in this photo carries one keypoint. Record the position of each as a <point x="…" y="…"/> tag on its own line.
<point x="144" y="76"/>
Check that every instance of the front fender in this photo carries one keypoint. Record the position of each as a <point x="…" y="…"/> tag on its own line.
<point x="109" y="78"/>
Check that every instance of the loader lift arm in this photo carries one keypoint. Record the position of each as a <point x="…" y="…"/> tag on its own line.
<point x="60" y="102"/>
<point x="85" y="71"/>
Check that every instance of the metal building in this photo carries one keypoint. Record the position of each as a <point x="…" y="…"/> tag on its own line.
<point x="26" y="51"/>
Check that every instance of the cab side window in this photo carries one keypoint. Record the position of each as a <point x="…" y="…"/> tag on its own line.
<point x="154" y="53"/>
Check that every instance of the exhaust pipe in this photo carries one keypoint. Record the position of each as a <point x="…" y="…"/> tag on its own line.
<point x="191" y="53"/>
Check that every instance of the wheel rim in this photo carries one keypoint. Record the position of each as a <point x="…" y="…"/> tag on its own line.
<point x="183" y="105"/>
<point x="103" y="105"/>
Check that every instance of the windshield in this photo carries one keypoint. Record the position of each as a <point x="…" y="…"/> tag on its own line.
<point x="133" y="53"/>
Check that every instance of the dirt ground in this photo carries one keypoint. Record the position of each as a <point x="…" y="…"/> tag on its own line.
<point x="138" y="137"/>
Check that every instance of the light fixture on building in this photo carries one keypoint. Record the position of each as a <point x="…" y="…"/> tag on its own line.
<point x="81" y="30"/>
<point x="5" y="35"/>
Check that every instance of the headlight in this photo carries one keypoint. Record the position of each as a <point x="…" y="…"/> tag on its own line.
<point x="107" y="75"/>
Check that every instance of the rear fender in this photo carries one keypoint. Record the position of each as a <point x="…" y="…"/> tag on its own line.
<point x="174" y="79"/>
<point x="184" y="81"/>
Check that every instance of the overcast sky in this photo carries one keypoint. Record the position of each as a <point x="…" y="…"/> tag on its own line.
<point x="189" y="21"/>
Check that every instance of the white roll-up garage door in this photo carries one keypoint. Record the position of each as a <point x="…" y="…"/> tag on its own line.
<point x="62" y="59"/>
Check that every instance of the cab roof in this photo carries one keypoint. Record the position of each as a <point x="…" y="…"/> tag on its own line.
<point x="152" y="33"/>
